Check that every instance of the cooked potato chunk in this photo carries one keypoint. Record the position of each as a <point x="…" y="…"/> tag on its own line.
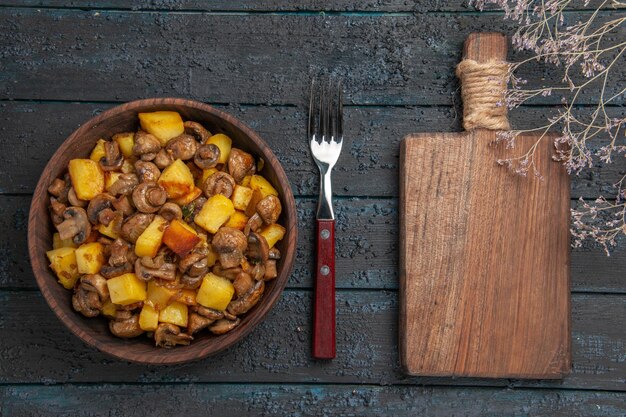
<point x="177" y="179"/>
<point x="109" y="309"/>
<point x="241" y="197"/>
<point x="180" y="237"/>
<point x="257" y="182"/>
<point x="273" y="233"/>
<point x="63" y="263"/>
<point x="87" y="178"/>
<point x="237" y="221"/>
<point x="126" y="141"/>
<point x="187" y="297"/>
<point x="175" y="313"/>
<point x="57" y="242"/>
<point x="165" y="125"/>
<point x="215" y="292"/>
<point x="188" y="198"/>
<point x="148" y="318"/>
<point x="224" y="143"/>
<point x="149" y="242"/>
<point x="90" y="257"/>
<point x="97" y="152"/>
<point x="214" y="213"/>
<point x="126" y="289"/>
<point x="159" y="296"/>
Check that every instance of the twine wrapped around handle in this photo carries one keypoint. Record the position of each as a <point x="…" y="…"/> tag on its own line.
<point x="483" y="88"/>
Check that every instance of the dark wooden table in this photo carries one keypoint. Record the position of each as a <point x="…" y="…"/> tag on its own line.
<point x="64" y="62"/>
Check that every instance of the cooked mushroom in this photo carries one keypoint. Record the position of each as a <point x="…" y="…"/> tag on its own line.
<point x="199" y="252"/>
<point x="182" y="147"/>
<point x="121" y="253"/>
<point x="230" y="273"/>
<point x="75" y="225"/>
<point x="256" y="271"/>
<point x="219" y="183"/>
<point x="147" y="268"/>
<point x="126" y="328"/>
<point x="163" y="159"/>
<point x="207" y="156"/>
<point x="122" y="204"/>
<point x="147" y="171"/>
<point x="248" y="300"/>
<point x="270" y="270"/>
<point x="171" y="211"/>
<point x="230" y="245"/>
<point x="269" y="209"/>
<point x="124" y="185"/>
<point x="113" y="158"/>
<point x="197" y="131"/>
<point x="146" y="146"/>
<point x="73" y="199"/>
<point x="240" y="164"/>
<point x="197" y="322"/>
<point x="242" y="283"/>
<point x="91" y="292"/>
<point x="135" y="225"/>
<point x="109" y="271"/>
<point x="148" y="197"/>
<point x="56" y="210"/>
<point x="258" y="249"/>
<point x="224" y="326"/>
<point x="202" y="317"/>
<point x="168" y="335"/>
<point x="59" y="188"/>
<point x="99" y="209"/>
<point x="253" y="224"/>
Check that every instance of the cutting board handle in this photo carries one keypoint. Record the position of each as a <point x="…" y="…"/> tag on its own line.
<point x="483" y="86"/>
<point x="485" y="46"/>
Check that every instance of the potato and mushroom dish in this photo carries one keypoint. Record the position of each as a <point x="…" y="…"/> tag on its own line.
<point x="165" y="231"/>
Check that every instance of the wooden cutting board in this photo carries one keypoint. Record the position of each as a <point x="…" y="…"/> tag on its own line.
<point x="484" y="254"/>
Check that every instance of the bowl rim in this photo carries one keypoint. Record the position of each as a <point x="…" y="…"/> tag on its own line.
<point x="42" y="275"/>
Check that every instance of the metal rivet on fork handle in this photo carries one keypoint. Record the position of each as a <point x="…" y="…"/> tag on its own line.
<point x="324" y="270"/>
<point x="325" y="234"/>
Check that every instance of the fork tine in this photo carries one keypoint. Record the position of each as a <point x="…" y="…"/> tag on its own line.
<point x="339" y="117"/>
<point x="324" y="114"/>
<point x="311" y="126"/>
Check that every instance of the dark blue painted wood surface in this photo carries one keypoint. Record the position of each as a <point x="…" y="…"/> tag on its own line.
<point x="62" y="61"/>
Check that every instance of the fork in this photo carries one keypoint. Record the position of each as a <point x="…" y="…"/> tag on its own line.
<point x="325" y="132"/>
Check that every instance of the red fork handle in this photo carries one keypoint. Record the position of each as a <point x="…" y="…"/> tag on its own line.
<point x="324" y="308"/>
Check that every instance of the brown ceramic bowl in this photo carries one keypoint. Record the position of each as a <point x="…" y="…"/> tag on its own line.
<point x="95" y="331"/>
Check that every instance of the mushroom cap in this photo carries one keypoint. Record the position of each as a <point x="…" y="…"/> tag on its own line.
<point x="148" y="197"/>
<point x="126" y="328"/>
<point x="164" y="270"/>
<point x="124" y="185"/>
<point x="269" y="209"/>
<point x="230" y="245"/>
<point x="171" y="211"/>
<point x="76" y="225"/>
<point x="207" y="156"/>
<point x="135" y="225"/>
<point x="224" y="326"/>
<point x="258" y="249"/>
<point x="97" y="206"/>
<point x="168" y="335"/>
<point x="162" y="159"/>
<point x="242" y="304"/>
<point x="147" y="171"/>
<point x="183" y="147"/>
<point x="219" y="183"/>
<point x="240" y="164"/>
<point x="196" y="130"/>
<point x="113" y="158"/>
<point x="73" y="199"/>
<point x="146" y="145"/>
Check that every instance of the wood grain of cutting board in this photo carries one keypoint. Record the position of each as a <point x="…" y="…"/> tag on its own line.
<point x="484" y="254"/>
